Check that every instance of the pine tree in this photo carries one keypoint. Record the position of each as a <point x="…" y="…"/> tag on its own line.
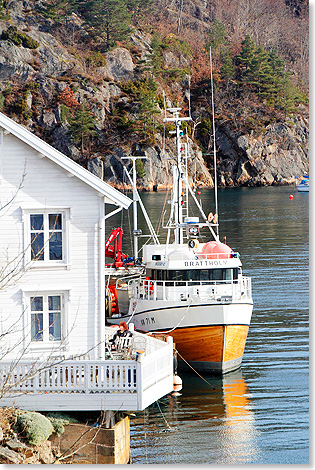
<point x="227" y="67"/>
<point x="246" y="60"/>
<point x="82" y="126"/>
<point x="216" y="34"/>
<point x="108" y="19"/>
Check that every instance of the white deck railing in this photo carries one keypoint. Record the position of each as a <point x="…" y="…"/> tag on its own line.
<point x="91" y="385"/>
<point x="179" y="290"/>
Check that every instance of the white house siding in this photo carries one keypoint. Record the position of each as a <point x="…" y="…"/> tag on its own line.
<point x="47" y="185"/>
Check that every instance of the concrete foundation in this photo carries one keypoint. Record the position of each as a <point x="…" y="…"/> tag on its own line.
<point x="83" y="444"/>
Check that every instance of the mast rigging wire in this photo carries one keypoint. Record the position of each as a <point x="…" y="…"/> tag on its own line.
<point x="214" y="148"/>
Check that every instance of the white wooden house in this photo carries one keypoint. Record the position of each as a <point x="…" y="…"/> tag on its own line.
<point x="52" y="257"/>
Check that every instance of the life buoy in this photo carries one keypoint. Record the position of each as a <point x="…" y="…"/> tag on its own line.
<point x="148" y="285"/>
<point x="111" y="301"/>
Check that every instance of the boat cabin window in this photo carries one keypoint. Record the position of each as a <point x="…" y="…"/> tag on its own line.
<point x="194" y="274"/>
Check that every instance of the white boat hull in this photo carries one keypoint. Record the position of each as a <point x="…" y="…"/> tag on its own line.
<point x="209" y="336"/>
<point x="303" y="188"/>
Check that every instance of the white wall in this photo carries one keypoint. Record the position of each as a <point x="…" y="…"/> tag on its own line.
<point x="47" y="185"/>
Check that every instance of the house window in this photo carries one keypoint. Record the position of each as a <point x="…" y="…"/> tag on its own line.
<point x="46" y="318"/>
<point x="46" y="237"/>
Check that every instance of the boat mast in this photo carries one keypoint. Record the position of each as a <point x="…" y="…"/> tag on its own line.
<point x="177" y="175"/>
<point x="136" y="199"/>
<point x="214" y="150"/>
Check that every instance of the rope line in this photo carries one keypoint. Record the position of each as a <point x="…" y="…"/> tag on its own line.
<point x="213" y="388"/>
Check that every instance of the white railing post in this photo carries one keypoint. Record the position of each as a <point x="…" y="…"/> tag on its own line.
<point x="139" y="383"/>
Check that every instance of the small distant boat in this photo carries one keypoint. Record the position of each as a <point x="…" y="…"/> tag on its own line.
<point x="303" y="186"/>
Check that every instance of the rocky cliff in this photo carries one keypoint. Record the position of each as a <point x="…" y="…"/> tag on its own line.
<point x="40" y="83"/>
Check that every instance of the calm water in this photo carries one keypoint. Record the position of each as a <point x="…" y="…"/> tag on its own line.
<point x="258" y="414"/>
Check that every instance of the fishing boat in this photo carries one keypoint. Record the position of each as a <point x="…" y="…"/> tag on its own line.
<point x="303" y="186"/>
<point x="193" y="291"/>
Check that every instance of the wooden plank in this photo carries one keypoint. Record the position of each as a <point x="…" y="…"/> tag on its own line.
<point x="235" y="339"/>
<point x="200" y="343"/>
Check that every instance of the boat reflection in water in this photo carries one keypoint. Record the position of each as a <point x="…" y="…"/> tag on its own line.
<point x="203" y="425"/>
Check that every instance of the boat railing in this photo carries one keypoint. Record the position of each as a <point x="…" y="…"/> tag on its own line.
<point x="204" y="256"/>
<point x="216" y="256"/>
<point x="221" y="290"/>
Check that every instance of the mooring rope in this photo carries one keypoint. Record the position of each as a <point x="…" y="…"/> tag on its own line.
<point x="213" y="387"/>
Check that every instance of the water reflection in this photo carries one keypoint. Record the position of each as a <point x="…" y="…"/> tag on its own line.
<point x="209" y="423"/>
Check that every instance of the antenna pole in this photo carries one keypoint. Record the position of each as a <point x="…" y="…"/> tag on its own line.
<point x="214" y="149"/>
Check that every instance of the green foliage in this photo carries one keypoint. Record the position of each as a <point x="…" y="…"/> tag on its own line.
<point x="33" y="426"/>
<point x="176" y="46"/>
<point x="32" y="86"/>
<point x="21" y="106"/>
<point x="97" y="59"/>
<point x="143" y="92"/>
<point x="216" y="35"/>
<point x="59" y="420"/>
<point x="2" y="99"/>
<point x="140" y="169"/>
<point x="82" y="126"/>
<point x="176" y="74"/>
<point x="3" y="12"/>
<point x="65" y="113"/>
<point x="227" y="67"/>
<point x="204" y="131"/>
<point x="264" y="73"/>
<point x="58" y="10"/>
<point x="18" y="38"/>
<point x="109" y="20"/>
<point x="7" y="90"/>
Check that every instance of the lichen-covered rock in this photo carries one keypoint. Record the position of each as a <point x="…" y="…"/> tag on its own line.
<point x="119" y="65"/>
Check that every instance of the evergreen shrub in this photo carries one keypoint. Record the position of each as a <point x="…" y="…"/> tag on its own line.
<point x="18" y="38"/>
<point x="59" y="420"/>
<point x="33" y="426"/>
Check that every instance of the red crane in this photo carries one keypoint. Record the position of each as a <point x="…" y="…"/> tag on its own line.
<point x="113" y="247"/>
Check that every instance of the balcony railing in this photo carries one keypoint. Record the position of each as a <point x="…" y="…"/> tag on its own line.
<point x="91" y="385"/>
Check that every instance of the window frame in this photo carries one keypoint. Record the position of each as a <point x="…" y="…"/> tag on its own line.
<point x="65" y="230"/>
<point x="46" y="343"/>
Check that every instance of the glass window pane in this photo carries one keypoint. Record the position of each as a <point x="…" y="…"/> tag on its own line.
<point x="204" y="275"/>
<point x="37" y="246"/>
<point x="37" y="327"/>
<point x="179" y="275"/>
<point x="54" y="302"/>
<point x="37" y="222"/>
<point x="55" y="221"/>
<point x="192" y="275"/>
<point x="217" y="274"/>
<point x="54" y="326"/>
<point x="36" y="304"/>
<point x="228" y="274"/>
<point x="55" y="246"/>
